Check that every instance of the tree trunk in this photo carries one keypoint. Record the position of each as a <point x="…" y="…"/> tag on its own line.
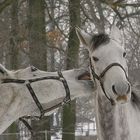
<point x="13" y="48"/>
<point x="37" y="34"/>
<point x="51" y="42"/>
<point x="38" y="53"/>
<point x="73" y="42"/>
<point x="69" y="112"/>
<point x="12" y="61"/>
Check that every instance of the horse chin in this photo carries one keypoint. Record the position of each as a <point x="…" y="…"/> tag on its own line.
<point x="122" y="99"/>
<point x="122" y="102"/>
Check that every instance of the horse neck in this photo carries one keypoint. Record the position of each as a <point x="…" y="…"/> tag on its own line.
<point x="111" y="120"/>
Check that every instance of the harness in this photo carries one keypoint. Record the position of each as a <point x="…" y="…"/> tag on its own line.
<point x="28" y="83"/>
<point x="101" y="76"/>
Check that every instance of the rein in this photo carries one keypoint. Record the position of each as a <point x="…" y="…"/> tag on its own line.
<point x="101" y="76"/>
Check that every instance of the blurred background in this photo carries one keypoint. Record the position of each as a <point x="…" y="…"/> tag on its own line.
<point x="42" y="33"/>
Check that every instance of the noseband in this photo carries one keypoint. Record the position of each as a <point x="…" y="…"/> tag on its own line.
<point x="101" y="76"/>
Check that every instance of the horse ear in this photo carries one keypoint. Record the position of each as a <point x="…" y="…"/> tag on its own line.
<point x="84" y="37"/>
<point x="116" y="34"/>
<point x="84" y="76"/>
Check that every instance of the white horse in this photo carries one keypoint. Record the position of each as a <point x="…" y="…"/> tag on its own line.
<point x="117" y="108"/>
<point x="16" y="100"/>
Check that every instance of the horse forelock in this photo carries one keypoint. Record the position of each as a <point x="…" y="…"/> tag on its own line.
<point x="99" y="39"/>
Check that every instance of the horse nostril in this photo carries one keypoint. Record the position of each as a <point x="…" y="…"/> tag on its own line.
<point x="113" y="89"/>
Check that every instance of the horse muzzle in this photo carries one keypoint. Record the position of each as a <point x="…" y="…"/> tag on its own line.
<point x="122" y="91"/>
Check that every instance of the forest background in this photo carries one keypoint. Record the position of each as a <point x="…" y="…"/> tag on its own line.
<point x="42" y="33"/>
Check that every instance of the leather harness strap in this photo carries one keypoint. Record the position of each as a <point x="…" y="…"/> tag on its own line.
<point x="28" y="82"/>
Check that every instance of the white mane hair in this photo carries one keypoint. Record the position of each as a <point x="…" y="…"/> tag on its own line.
<point x="16" y="100"/>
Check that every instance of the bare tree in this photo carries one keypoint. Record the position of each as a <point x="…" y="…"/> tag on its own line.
<point x="69" y="112"/>
<point x="38" y="50"/>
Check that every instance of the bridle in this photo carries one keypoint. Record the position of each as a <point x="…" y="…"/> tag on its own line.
<point x="101" y="76"/>
<point x="28" y="83"/>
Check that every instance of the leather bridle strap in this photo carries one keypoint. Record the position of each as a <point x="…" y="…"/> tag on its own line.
<point x="28" y="82"/>
<point x="101" y="76"/>
<point x="110" y="66"/>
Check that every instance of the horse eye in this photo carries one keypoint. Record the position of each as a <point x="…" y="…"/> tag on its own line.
<point x="95" y="59"/>
<point x="124" y="54"/>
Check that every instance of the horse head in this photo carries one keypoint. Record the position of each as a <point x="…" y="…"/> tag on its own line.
<point x="108" y="64"/>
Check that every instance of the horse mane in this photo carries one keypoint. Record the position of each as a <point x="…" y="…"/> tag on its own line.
<point x="99" y="39"/>
<point x="135" y="96"/>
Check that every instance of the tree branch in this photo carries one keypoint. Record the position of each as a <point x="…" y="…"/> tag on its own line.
<point x="131" y="14"/>
<point x="5" y="4"/>
<point x="120" y="3"/>
<point x="54" y="20"/>
<point x="127" y="4"/>
<point x="131" y="24"/>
